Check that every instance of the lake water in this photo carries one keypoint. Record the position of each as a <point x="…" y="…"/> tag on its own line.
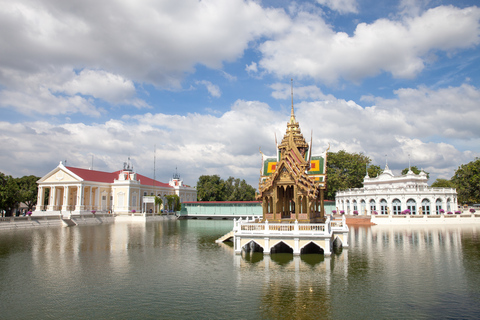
<point x="175" y="270"/>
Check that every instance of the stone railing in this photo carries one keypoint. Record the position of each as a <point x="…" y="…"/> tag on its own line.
<point x="243" y="227"/>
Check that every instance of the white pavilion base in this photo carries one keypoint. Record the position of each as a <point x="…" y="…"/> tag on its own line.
<point x="247" y="235"/>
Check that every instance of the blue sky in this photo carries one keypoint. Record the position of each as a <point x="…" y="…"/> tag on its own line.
<point x="207" y="83"/>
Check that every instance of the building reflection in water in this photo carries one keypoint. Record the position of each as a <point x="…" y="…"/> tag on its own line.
<point x="293" y="287"/>
<point x="303" y="286"/>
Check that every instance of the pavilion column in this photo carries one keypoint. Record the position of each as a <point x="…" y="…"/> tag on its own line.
<point x="275" y="206"/>
<point x="90" y="198"/>
<point x="265" y="207"/>
<point x="80" y="203"/>
<point x="296" y="199"/>
<point x="322" y="207"/>
<point x="66" y="196"/>
<point x="40" y="199"/>
<point x="51" y="203"/>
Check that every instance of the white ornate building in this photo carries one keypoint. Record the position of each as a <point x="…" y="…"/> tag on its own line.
<point x="80" y="191"/>
<point x="389" y="194"/>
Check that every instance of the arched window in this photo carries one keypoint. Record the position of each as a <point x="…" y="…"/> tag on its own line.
<point x="362" y="207"/>
<point x="355" y="208"/>
<point x="412" y="206"/>
<point x="449" y="208"/>
<point x="383" y="207"/>
<point x="438" y="206"/>
<point x="348" y="207"/>
<point x="373" y="207"/>
<point x="397" y="206"/>
<point x="426" y="206"/>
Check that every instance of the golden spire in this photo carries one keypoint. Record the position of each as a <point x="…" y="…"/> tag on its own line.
<point x="292" y="115"/>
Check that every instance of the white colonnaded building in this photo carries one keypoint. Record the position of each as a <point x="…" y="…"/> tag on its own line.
<point x="388" y="194"/>
<point x="83" y="191"/>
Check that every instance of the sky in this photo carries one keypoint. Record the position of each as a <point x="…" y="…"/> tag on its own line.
<point x="200" y="87"/>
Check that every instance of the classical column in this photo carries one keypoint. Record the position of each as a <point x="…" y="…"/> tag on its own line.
<point x="80" y="205"/>
<point x="51" y="203"/>
<point x="90" y="199"/>
<point x="40" y="199"/>
<point x="66" y="197"/>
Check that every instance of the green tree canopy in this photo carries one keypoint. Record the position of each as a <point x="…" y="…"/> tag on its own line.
<point x="414" y="170"/>
<point x="374" y="171"/>
<point x="9" y="191"/>
<point x="346" y="170"/>
<point x="173" y="202"/>
<point x="443" y="183"/>
<point x="467" y="181"/>
<point x="213" y="188"/>
<point x="28" y="190"/>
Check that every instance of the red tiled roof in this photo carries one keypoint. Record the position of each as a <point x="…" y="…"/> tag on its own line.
<point x="93" y="175"/>
<point x="109" y="177"/>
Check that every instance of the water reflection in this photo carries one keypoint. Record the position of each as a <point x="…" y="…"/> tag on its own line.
<point x="175" y="270"/>
<point x="398" y="266"/>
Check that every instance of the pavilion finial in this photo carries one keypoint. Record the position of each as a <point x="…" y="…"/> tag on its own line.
<point x="292" y="114"/>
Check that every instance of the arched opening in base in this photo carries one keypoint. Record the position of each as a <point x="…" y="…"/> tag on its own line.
<point x="281" y="247"/>
<point x="311" y="248"/>
<point x="252" y="246"/>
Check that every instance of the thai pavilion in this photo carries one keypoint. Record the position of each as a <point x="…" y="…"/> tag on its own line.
<point x="79" y="191"/>
<point x="291" y="188"/>
<point x="293" y="182"/>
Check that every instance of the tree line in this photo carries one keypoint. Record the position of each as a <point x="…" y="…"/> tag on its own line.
<point x="14" y="191"/>
<point x="214" y="188"/>
<point x="344" y="171"/>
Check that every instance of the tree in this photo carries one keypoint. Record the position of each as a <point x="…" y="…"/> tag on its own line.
<point x="213" y="188"/>
<point x="28" y="190"/>
<point x="210" y="188"/>
<point x="346" y="170"/>
<point x="8" y="194"/>
<point x="173" y="202"/>
<point x="443" y="183"/>
<point x="414" y="170"/>
<point x="158" y="203"/>
<point x="238" y="190"/>
<point x="467" y="181"/>
<point x="374" y="171"/>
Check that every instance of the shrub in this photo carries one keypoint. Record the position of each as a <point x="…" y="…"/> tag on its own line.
<point x="93" y="211"/>
<point x="458" y="212"/>
<point x="442" y="211"/>
<point x="472" y="210"/>
<point x="355" y="212"/>
<point x="406" y="211"/>
<point x="342" y="211"/>
<point x="449" y="212"/>
<point x="334" y="211"/>
<point x="375" y="212"/>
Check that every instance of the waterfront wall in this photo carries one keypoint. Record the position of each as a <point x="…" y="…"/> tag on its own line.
<point x="11" y="223"/>
<point x="230" y="209"/>
<point x="464" y="218"/>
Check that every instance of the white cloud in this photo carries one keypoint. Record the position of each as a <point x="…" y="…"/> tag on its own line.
<point x="342" y="6"/>
<point x="229" y="144"/>
<point x="100" y="84"/>
<point x="284" y="91"/>
<point x="152" y="42"/>
<point x="62" y="91"/>
<point x="310" y="48"/>
<point x="213" y="89"/>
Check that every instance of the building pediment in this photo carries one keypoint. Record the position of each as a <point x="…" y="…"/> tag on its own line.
<point x="60" y="175"/>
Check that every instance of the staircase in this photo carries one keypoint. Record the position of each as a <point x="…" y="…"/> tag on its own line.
<point x="225" y="237"/>
<point x="69" y="222"/>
